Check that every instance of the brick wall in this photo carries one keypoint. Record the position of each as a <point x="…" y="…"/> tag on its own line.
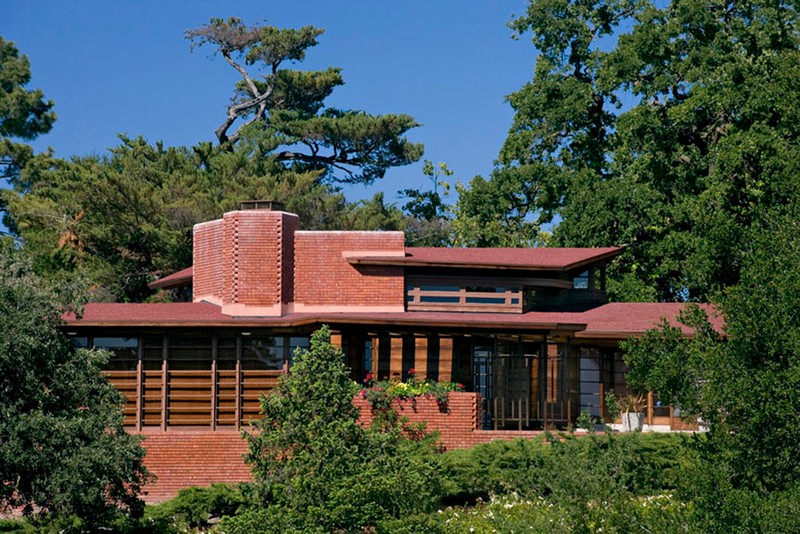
<point x="290" y="225"/>
<point x="246" y="260"/>
<point x="326" y="281"/>
<point x="252" y="250"/>
<point x="181" y="459"/>
<point x="207" y="260"/>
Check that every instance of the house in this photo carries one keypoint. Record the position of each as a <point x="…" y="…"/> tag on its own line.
<point x="527" y="331"/>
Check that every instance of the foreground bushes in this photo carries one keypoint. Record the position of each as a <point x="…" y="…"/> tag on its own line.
<point x="595" y="483"/>
<point x="512" y="513"/>
<point x="563" y="466"/>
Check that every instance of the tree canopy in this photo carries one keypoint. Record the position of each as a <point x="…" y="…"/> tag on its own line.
<point x="283" y="110"/>
<point x="124" y="218"/>
<point x="24" y="114"/>
<point x="741" y="385"/>
<point x="666" y="129"/>
<point x="63" y="449"/>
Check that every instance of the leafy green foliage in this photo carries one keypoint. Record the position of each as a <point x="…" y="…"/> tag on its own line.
<point x="568" y="468"/>
<point x="63" y="447"/>
<point x="429" y="221"/>
<point x="512" y="513"/>
<point x="125" y="219"/>
<point x="741" y="385"/>
<point x="381" y="393"/>
<point x="195" y="508"/>
<point x="284" y="113"/>
<point x="316" y="467"/>
<point x="24" y="114"/>
<point x="665" y="128"/>
<point x="560" y="484"/>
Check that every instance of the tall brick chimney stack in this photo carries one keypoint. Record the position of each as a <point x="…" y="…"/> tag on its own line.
<point x="244" y="262"/>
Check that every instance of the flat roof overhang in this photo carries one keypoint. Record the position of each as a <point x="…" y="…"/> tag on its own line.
<point x="521" y="259"/>
<point x="201" y="315"/>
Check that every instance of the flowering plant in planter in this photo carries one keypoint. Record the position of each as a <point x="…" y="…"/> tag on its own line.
<point x="630" y="407"/>
<point x="380" y="394"/>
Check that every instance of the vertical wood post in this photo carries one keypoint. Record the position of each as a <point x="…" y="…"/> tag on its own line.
<point x="375" y="352"/>
<point x="543" y="381"/>
<point x="421" y="356"/>
<point x="139" y="384"/>
<point x="238" y="382"/>
<point x="214" y="385"/>
<point x="445" y="359"/>
<point x="396" y="356"/>
<point x="164" y="377"/>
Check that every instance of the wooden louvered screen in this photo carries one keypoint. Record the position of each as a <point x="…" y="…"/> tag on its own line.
<point x="194" y="380"/>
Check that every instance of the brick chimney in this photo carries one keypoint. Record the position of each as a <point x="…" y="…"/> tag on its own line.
<point x="244" y="262"/>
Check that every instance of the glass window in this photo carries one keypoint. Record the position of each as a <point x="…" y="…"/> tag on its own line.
<point x="427" y="298"/>
<point x="581" y="281"/>
<point x="190" y="353"/>
<point x="125" y="352"/>
<point x="79" y="342"/>
<point x="485" y="300"/>
<point x="262" y="353"/>
<point x="226" y="353"/>
<point x="297" y="343"/>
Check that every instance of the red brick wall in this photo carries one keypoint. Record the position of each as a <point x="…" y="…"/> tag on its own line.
<point x="207" y="259"/>
<point x="290" y="225"/>
<point x="245" y="258"/>
<point x="323" y="277"/>
<point x="252" y="251"/>
<point x="181" y="459"/>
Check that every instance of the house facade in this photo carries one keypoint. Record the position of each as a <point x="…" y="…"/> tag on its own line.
<point x="529" y="330"/>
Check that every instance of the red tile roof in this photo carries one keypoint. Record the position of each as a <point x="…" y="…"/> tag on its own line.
<point x="532" y="259"/>
<point x="619" y="320"/>
<point x="608" y="321"/>
<point x="540" y="259"/>
<point x="181" y="278"/>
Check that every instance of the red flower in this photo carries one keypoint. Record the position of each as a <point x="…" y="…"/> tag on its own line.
<point x="461" y="386"/>
<point x="412" y="372"/>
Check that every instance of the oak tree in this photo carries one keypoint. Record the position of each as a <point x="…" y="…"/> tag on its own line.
<point x="666" y="128"/>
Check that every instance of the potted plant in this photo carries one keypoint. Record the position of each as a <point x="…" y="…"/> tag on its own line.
<point x="629" y="408"/>
<point x="632" y="407"/>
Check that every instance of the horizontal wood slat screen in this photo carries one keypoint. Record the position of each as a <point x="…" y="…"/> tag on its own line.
<point x="190" y="396"/>
<point x="126" y="383"/>
<point x="464" y="299"/>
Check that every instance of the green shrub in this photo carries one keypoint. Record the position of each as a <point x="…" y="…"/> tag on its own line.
<point x="721" y="507"/>
<point x="589" y="465"/>
<point x="315" y="466"/>
<point x="513" y="513"/>
<point x="17" y="526"/>
<point x="197" y="507"/>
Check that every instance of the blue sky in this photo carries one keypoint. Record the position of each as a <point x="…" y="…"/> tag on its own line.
<point x="124" y="67"/>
